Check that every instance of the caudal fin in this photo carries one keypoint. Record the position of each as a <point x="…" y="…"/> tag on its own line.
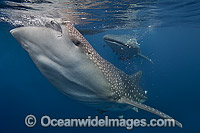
<point x="146" y="58"/>
<point x="149" y="109"/>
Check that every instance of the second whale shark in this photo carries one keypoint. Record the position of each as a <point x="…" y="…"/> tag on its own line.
<point x="72" y="66"/>
<point x="125" y="46"/>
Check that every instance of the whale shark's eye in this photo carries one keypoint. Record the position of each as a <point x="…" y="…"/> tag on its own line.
<point x="76" y="42"/>
<point x="54" y="25"/>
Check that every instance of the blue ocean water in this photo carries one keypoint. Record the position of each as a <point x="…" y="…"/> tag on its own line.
<point x="168" y="32"/>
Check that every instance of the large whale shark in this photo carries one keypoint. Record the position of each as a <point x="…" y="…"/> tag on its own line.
<point x="125" y="46"/>
<point x="72" y="66"/>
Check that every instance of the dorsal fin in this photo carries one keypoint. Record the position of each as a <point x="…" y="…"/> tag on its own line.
<point x="136" y="77"/>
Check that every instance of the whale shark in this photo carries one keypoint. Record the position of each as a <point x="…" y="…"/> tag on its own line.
<point x="125" y="46"/>
<point x="72" y="65"/>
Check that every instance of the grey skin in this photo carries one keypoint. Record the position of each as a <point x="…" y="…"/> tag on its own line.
<point x="71" y="65"/>
<point x="125" y="46"/>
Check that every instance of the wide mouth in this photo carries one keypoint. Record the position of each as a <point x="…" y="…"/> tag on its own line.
<point x="53" y="24"/>
<point x="111" y="40"/>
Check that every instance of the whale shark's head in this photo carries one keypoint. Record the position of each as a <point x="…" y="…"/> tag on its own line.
<point x="58" y="53"/>
<point x="122" y="40"/>
<point x="36" y="39"/>
<point x="125" y="46"/>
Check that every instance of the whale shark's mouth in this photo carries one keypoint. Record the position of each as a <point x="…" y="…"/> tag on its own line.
<point x="54" y="25"/>
<point x="112" y="40"/>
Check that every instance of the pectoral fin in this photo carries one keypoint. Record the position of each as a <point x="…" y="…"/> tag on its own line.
<point x="146" y="58"/>
<point x="149" y="109"/>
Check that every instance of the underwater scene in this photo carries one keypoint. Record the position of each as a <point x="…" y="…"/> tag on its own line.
<point x="99" y="66"/>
